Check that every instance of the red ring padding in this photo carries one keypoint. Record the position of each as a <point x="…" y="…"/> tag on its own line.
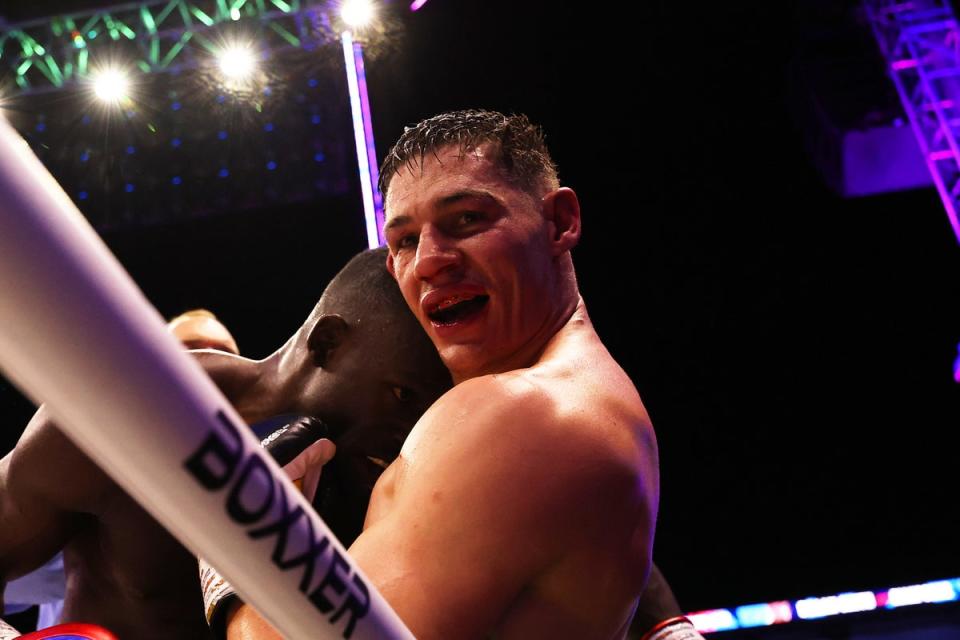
<point x="73" y="631"/>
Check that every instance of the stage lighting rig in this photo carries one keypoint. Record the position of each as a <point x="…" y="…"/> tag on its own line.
<point x="154" y="36"/>
<point x="223" y="104"/>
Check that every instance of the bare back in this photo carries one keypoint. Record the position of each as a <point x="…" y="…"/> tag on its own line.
<point x="524" y="503"/>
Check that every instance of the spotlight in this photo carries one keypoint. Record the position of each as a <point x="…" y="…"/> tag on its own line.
<point x="357" y="13"/>
<point x="111" y="85"/>
<point x="237" y="62"/>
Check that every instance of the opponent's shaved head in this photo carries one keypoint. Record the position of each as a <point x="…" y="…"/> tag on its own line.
<point x="516" y="145"/>
<point x="364" y="291"/>
<point x="377" y="373"/>
<point x="367" y="297"/>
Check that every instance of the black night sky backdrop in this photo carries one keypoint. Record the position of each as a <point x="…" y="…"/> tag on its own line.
<point x="793" y="348"/>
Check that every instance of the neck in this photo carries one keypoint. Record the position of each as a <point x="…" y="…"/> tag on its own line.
<point x="285" y="371"/>
<point x="566" y="320"/>
<point x="243" y="381"/>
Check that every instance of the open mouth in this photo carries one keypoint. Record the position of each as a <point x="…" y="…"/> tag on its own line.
<point x="457" y="309"/>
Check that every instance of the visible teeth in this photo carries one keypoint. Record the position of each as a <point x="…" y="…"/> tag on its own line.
<point x="449" y="302"/>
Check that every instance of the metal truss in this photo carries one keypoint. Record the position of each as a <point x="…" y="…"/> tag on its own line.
<point x="154" y="36"/>
<point x="921" y="42"/>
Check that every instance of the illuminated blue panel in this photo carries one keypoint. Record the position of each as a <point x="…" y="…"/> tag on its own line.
<point x="760" y="615"/>
<point x="755" y="615"/>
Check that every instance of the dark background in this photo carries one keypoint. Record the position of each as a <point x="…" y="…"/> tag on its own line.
<point x="793" y="348"/>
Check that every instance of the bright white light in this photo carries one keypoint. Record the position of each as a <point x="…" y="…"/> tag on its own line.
<point x="111" y="85"/>
<point x="940" y="591"/>
<point x="356" y="13"/>
<point x="237" y="62"/>
<point x="713" y="620"/>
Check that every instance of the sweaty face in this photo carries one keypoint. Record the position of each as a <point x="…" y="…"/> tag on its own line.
<point x="471" y="254"/>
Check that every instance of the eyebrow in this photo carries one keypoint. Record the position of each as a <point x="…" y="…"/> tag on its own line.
<point x="445" y="201"/>
<point x="399" y="221"/>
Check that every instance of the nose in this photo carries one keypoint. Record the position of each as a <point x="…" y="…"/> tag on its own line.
<point x="436" y="255"/>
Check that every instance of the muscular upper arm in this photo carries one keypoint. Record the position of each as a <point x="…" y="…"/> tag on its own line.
<point x="494" y="496"/>
<point x="46" y="484"/>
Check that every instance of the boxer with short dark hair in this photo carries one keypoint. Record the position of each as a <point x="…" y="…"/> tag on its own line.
<point x="360" y="363"/>
<point x="523" y="503"/>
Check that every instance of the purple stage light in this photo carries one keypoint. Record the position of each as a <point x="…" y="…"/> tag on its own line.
<point x="956" y="365"/>
<point x="363" y="136"/>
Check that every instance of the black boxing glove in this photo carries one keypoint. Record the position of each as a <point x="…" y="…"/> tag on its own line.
<point x="301" y="447"/>
<point x="343" y="492"/>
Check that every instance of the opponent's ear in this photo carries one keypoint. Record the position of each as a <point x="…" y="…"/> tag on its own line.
<point x="561" y="208"/>
<point x="326" y="336"/>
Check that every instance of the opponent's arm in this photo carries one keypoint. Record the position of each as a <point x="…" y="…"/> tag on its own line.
<point x="46" y="483"/>
<point x="237" y="377"/>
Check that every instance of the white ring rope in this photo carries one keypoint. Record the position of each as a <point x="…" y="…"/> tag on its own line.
<point x="76" y="333"/>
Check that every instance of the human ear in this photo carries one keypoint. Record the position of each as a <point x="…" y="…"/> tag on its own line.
<point x="326" y="337"/>
<point x="561" y="208"/>
<point x="390" y="265"/>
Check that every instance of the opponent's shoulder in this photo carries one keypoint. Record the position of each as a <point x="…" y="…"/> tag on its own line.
<point x="47" y="466"/>
<point x="231" y="373"/>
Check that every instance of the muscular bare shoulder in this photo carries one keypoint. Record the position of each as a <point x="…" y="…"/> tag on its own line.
<point x="568" y="421"/>
<point x="510" y="478"/>
<point x="47" y="466"/>
<point x="46" y="485"/>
